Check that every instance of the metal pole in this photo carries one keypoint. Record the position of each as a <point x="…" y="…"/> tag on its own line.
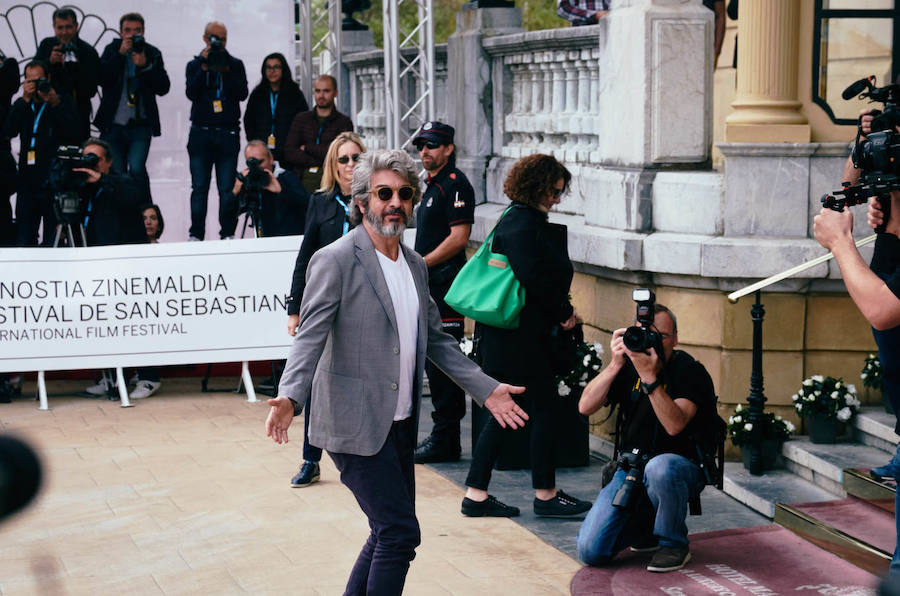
<point x="304" y="49"/>
<point x="391" y="75"/>
<point x="123" y="388"/>
<point x="248" y="382"/>
<point x="757" y="398"/>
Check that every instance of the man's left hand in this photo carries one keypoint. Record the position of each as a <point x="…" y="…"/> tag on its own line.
<point x="273" y="186"/>
<point x="832" y="227"/>
<point x="281" y="414"/>
<point x="93" y="176"/>
<point x="501" y="405"/>
<point x="140" y="60"/>
<point x="647" y="364"/>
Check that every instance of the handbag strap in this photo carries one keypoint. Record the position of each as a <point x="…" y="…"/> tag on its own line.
<point x="489" y="239"/>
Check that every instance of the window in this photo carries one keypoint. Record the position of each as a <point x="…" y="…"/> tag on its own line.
<point x="853" y="39"/>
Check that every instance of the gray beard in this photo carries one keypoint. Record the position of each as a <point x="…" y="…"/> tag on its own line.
<point x="382" y="229"/>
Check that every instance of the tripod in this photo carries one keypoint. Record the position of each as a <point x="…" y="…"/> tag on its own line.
<point x="251" y="207"/>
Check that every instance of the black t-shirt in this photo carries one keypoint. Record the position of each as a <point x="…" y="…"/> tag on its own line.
<point x="448" y="201"/>
<point x="684" y="378"/>
<point x="886" y="261"/>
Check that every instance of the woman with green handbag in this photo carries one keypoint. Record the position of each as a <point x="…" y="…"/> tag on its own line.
<point x="538" y="255"/>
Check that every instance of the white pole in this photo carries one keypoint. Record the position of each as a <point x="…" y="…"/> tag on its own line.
<point x="248" y="381"/>
<point x="123" y="388"/>
<point x="42" y="391"/>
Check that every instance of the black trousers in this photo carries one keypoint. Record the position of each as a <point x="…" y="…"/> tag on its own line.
<point x="537" y="401"/>
<point x="385" y="488"/>
<point x="448" y="399"/>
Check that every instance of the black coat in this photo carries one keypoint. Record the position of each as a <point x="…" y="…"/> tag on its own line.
<point x="284" y="214"/>
<point x="324" y="224"/>
<point x="539" y="257"/>
<point x="57" y="126"/>
<point x="152" y="81"/>
<point x="9" y="84"/>
<point x="115" y="212"/>
<point x="78" y="80"/>
<point x="258" y="114"/>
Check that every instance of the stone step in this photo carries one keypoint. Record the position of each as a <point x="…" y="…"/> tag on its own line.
<point x="824" y="465"/>
<point x="875" y="427"/>
<point x="761" y="493"/>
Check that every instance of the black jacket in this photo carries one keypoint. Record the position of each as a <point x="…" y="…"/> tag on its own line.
<point x="258" y="114"/>
<point x="57" y="126"/>
<point x="78" y="80"/>
<point x="325" y="219"/>
<point x="9" y="84"/>
<point x="112" y="208"/>
<point x="152" y="81"/>
<point x="284" y="214"/>
<point x="539" y="257"/>
<point x="202" y="87"/>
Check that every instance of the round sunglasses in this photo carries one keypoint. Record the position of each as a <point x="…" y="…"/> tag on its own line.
<point x="386" y="193"/>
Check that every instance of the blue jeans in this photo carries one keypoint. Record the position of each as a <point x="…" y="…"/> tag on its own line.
<point x="130" y="148"/>
<point x="660" y="510"/>
<point x="208" y="147"/>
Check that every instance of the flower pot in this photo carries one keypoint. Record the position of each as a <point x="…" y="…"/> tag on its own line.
<point x="823" y="429"/>
<point x="769" y="450"/>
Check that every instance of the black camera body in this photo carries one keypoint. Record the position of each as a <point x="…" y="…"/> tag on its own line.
<point x="254" y="181"/>
<point x="138" y="44"/>
<point x="877" y="155"/>
<point x="217" y="57"/>
<point x="642" y="338"/>
<point x="65" y="183"/>
<point x="633" y="463"/>
<point x="43" y="85"/>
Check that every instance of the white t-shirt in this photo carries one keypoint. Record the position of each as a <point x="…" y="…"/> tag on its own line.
<point x="405" y="298"/>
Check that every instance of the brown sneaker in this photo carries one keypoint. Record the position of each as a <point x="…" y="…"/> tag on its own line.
<point x="669" y="558"/>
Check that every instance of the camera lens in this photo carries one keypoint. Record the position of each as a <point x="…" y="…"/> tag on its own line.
<point x="635" y="338"/>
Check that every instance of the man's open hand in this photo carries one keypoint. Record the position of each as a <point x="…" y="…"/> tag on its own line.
<point x="281" y="414"/>
<point x="501" y="405"/>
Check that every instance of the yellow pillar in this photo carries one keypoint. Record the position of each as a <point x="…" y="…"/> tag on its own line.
<point x="766" y="107"/>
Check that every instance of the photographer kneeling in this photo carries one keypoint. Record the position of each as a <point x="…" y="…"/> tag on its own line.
<point x="664" y="395"/>
<point x="276" y="203"/>
<point x="110" y="204"/>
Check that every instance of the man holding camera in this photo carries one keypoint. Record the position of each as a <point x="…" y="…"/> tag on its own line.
<point x="664" y="394"/>
<point x="279" y="199"/>
<point x="74" y="66"/>
<point x="43" y="120"/>
<point x="132" y="75"/>
<point x="216" y="83"/>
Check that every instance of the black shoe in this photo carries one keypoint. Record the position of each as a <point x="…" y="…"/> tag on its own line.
<point x="669" y="558"/>
<point x="562" y="505"/>
<point x="309" y="473"/>
<point x="431" y="451"/>
<point x="648" y="545"/>
<point x="490" y="507"/>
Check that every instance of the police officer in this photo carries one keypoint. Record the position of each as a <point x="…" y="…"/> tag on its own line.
<point x="443" y="223"/>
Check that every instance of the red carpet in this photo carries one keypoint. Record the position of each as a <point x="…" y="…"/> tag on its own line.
<point x="763" y="560"/>
<point x="856" y="518"/>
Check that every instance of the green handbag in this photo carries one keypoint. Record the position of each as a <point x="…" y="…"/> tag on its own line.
<point x="486" y="289"/>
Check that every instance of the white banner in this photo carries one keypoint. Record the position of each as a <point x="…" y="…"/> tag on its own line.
<point x="141" y="305"/>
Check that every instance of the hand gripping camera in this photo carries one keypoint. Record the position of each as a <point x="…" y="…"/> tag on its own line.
<point x="633" y="463"/>
<point x="877" y="155"/>
<point x="642" y="338"/>
<point x="217" y="57"/>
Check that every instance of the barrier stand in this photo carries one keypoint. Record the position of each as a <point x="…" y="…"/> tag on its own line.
<point x="123" y="388"/>
<point x="42" y="391"/>
<point x="248" y="381"/>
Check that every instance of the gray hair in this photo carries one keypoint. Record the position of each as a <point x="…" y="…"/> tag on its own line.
<point x="395" y="160"/>
<point x="258" y="143"/>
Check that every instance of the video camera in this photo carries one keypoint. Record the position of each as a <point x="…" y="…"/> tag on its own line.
<point x="642" y="338"/>
<point x="633" y="463"/>
<point x="877" y="155"/>
<point x="217" y="57"/>
<point x="66" y="183"/>
<point x="138" y="44"/>
<point x="253" y="182"/>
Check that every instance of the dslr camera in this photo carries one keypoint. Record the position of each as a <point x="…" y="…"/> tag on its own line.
<point x="642" y="338"/>
<point x="877" y="155"/>
<point x="633" y="463"/>
<point x="253" y="183"/>
<point x="138" y="44"/>
<point x="217" y="57"/>
<point x="65" y="183"/>
<point x="43" y="85"/>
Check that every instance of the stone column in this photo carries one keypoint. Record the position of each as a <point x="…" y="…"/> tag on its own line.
<point x="470" y="106"/>
<point x="351" y="42"/>
<point x="766" y="108"/>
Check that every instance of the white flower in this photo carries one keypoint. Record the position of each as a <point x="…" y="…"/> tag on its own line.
<point x="466" y="346"/>
<point x="789" y="426"/>
<point x="583" y="376"/>
<point x="808" y="382"/>
<point x="818" y="378"/>
<point x="731" y="420"/>
<point x="837" y="385"/>
<point x="748" y="426"/>
<point x="810" y="398"/>
<point x="587" y="360"/>
<point x="799" y="407"/>
<point x="598" y="349"/>
<point x="795" y="397"/>
<point x="738" y="419"/>
<point x="582" y="383"/>
<point x="871" y="356"/>
<point x="739" y="408"/>
<point x="835" y="395"/>
<point x="563" y="389"/>
<point x="844" y="414"/>
<point x="596" y="367"/>
<point x="851" y="389"/>
<point x="863" y="376"/>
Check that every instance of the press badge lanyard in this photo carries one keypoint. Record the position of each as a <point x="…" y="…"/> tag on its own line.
<point x="273" y="102"/>
<point x="217" y="102"/>
<point x="37" y="120"/>
<point x="337" y="197"/>
<point x="90" y="207"/>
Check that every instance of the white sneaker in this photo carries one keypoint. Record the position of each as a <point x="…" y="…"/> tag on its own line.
<point x="101" y="388"/>
<point x="194" y="239"/>
<point x="145" y="389"/>
<point x="134" y="379"/>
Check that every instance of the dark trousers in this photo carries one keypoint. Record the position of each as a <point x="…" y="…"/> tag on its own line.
<point x="130" y="148"/>
<point x="888" y="342"/>
<point x="537" y="401"/>
<point x="208" y="147"/>
<point x="385" y="488"/>
<point x="310" y="451"/>
<point x="32" y="206"/>
<point x="448" y="399"/>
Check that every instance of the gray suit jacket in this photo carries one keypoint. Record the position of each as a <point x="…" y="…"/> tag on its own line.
<point x="348" y="349"/>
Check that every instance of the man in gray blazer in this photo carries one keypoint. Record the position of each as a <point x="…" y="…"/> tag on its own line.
<point x="367" y="324"/>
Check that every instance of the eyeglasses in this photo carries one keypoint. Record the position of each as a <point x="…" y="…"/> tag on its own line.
<point x="273" y="67"/>
<point x="557" y="192"/>
<point x="386" y="193"/>
<point x="429" y="144"/>
<point x="345" y="159"/>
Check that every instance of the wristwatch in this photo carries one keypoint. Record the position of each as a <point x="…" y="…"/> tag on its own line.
<point x="651" y="387"/>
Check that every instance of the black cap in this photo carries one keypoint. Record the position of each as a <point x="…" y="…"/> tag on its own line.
<point x="435" y="131"/>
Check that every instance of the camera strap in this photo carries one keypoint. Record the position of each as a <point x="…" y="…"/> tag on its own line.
<point x="37" y="121"/>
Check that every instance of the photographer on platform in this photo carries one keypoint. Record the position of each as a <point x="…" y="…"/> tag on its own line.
<point x="43" y="120"/>
<point x="111" y="204"/>
<point x="74" y="66"/>
<point x="279" y="199"/>
<point x="132" y="76"/>
<point x="664" y="394"/>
